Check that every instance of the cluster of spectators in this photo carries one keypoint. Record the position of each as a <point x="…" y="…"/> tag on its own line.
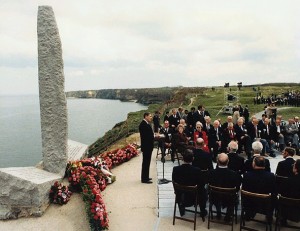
<point x="182" y="128"/>
<point x="290" y="98"/>
<point x="253" y="175"/>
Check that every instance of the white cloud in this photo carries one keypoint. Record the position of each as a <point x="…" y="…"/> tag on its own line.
<point x="142" y="43"/>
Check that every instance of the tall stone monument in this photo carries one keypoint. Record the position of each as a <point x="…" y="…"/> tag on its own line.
<point x="24" y="191"/>
<point x="53" y="104"/>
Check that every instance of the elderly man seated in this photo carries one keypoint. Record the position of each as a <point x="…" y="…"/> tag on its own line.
<point x="223" y="177"/>
<point x="257" y="148"/>
<point x="165" y="141"/>
<point x="259" y="181"/>
<point x="291" y="134"/>
<point x="202" y="159"/>
<point x="186" y="174"/>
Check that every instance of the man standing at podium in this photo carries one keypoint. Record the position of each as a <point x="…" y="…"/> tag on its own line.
<point x="147" y="142"/>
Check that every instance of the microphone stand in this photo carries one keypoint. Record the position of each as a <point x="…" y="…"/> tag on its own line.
<point x="163" y="160"/>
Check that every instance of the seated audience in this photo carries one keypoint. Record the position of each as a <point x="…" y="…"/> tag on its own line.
<point x="165" y="142"/>
<point x="285" y="167"/>
<point x="179" y="141"/>
<point x="225" y="178"/>
<point x="257" y="147"/>
<point x="228" y="135"/>
<point x="243" y="138"/>
<point x="186" y="174"/>
<point x="236" y="162"/>
<point x="201" y="134"/>
<point x="258" y="181"/>
<point x="215" y="139"/>
<point x="291" y="134"/>
<point x="202" y="159"/>
<point x="277" y="131"/>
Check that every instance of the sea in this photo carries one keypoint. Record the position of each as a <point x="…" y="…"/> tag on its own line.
<point x="20" y="127"/>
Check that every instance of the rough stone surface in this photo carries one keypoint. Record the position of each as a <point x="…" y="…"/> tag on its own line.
<point x="24" y="191"/>
<point x="53" y="104"/>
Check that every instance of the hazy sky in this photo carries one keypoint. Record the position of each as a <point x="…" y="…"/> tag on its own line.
<point x="137" y="43"/>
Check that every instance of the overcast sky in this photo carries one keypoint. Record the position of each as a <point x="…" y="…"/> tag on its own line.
<point x="137" y="43"/>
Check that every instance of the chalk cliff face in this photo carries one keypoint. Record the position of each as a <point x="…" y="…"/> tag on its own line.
<point x="141" y="95"/>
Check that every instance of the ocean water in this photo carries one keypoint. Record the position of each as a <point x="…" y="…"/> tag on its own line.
<point x="20" y="129"/>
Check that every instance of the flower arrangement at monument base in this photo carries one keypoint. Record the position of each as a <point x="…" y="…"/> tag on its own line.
<point x="119" y="156"/>
<point x="90" y="176"/>
<point x="59" y="193"/>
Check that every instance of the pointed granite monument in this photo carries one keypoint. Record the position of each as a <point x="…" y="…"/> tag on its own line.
<point x="53" y="104"/>
<point x="24" y="191"/>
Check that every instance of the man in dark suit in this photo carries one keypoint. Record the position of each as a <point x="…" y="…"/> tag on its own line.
<point x="165" y="141"/>
<point x="257" y="147"/>
<point x="236" y="162"/>
<point x="190" y="120"/>
<point x="202" y="159"/>
<point x="277" y="134"/>
<point x="285" y="167"/>
<point x="174" y="119"/>
<point x="223" y="177"/>
<point x="242" y="137"/>
<point x="255" y="132"/>
<point x="258" y="181"/>
<point x="266" y="134"/>
<point x="147" y="140"/>
<point x="292" y="190"/>
<point x="228" y="135"/>
<point x="200" y="114"/>
<point x="293" y="184"/>
<point x="186" y="174"/>
<point x="215" y="139"/>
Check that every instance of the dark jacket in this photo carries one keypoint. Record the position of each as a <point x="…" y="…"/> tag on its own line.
<point x="202" y="160"/>
<point x="285" y="168"/>
<point x="224" y="177"/>
<point x="187" y="174"/>
<point x="248" y="165"/>
<point x="147" y="136"/>
<point x="236" y="163"/>
<point x="259" y="181"/>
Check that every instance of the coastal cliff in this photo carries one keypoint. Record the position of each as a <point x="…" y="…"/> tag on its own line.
<point x="140" y="95"/>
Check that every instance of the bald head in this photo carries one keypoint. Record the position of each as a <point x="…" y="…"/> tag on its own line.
<point x="222" y="159"/>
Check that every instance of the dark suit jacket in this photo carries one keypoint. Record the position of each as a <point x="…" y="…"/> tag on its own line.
<point x="202" y="160"/>
<point x="259" y="181"/>
<point x="187" y="174"/>
<point x="174" y="120"/>
<point x="239" y="132"/>
<point x="147" y="137"/>
<point x="200" y="117"/>
<point x="236" y="163"/>
<point x="285" y="168"/>
<point x="190" y="119"/>
<point x="293" y="187"/>
<point x="213" y="136"/>
<point x="251" y="131"/>
<point x="248" y="165"/>
<point x="168" y="134"/>
<point x="264" y="132"/>
<point x="224" y="177"/>
<point x="274" y="133"/>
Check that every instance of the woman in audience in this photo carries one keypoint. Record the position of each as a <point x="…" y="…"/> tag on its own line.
<point x="201" y="134"/>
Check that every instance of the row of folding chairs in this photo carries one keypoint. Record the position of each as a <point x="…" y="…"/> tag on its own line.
<point x="260" y="203"/>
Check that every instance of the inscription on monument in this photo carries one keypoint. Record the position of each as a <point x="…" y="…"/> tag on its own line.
<point x="76" y="150"/>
